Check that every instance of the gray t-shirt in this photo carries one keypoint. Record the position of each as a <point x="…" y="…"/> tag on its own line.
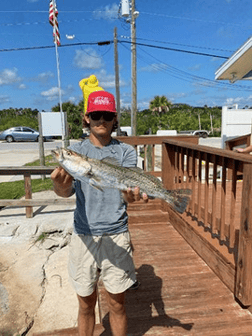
<point x="102" y="212"/>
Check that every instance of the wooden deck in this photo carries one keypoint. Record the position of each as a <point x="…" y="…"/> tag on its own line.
<point x="179" y="294"/>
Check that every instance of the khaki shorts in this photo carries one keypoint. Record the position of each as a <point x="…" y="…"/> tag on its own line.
<point x="109" y="256"/>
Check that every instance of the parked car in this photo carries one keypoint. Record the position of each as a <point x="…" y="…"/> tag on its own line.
<point x="199" y="133"/>
<point x="21" y="133"/>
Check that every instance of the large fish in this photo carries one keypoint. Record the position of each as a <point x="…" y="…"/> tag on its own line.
<point x="107" y="173"/>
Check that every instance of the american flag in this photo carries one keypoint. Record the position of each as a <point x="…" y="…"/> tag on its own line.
<point x="53" y="13"/>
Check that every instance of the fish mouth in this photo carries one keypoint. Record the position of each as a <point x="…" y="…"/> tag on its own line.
<point x="55" y="153"/>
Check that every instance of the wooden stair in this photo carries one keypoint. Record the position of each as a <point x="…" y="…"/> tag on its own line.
<point x="144" y="213"/>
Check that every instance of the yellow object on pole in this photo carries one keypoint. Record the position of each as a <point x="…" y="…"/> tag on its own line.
<point x="89" y="85"/>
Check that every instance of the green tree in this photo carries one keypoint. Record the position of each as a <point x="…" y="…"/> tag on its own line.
<point x="160" y="104"/>
<point x="146" y="121"/>
<point x="74" y="118"/>
<point x="18" y="117"/>
<point x="125" y="116"/>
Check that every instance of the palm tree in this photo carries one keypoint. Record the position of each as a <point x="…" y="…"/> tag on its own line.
<point x="160" y="104"/>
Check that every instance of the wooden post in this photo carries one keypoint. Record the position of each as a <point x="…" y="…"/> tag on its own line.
<point x="133" y="71"/>
<point x="117" y="85"/>
<point x="28" y="194"/>
<point x="243" y="290"/>
<point x="41" y="144"/>
<point x="168" y="166"/>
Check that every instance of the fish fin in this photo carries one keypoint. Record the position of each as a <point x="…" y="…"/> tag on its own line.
<point x="137" y="169"/>
<point x="94" y="184"/>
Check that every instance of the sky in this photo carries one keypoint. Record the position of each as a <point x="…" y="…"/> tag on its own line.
<point x="180" y="46"/>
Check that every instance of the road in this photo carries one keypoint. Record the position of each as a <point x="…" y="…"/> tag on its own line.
<point x="29" y="146"/>
<point x="19" y="153"/>
<point x="212" y="142"/>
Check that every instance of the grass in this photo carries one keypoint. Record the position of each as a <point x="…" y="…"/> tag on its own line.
<point x="15" y="189"/>
<point x="49" y="161"/>
<point x="41" y="238"/>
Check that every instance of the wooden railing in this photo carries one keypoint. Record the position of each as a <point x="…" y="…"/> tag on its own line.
<point x="28" y="202"/>
<point x="218" y="221"/>
<point x="239" y="141"/>
<point x="150" y="143"/>
<point x="27" y="172"/>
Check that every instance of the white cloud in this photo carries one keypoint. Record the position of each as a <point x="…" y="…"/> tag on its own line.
<point x="176" y="95"/>
<point x="109" y="12"/>
<point x="195" y="67"/>
<point x="87" y="59"/>
<point x="108" y="81"/>
<point x="44" y="76"/>
<point x="9" y="77"/>
<point x="4" y="99"/>
<point x="73" y="100"/>
<point x="51" y="94"/>
<point x="241" y="100"/>
<point x="22" y="87"/>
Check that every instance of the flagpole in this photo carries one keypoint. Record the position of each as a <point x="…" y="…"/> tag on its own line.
<point x="60" y="100"/>
<point x="63" y="126"/>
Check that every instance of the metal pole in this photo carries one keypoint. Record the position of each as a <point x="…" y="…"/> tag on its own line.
<point x="117" y="83"/>
<point x="63" y="122"/>
<point x="133" y="70"/>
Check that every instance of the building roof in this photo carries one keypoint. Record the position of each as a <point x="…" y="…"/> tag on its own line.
<point x="239" y="65"/>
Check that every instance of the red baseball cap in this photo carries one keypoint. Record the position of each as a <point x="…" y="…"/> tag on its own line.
<point x="101" y="101"/>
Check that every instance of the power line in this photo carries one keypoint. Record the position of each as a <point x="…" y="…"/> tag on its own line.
<point x="195" y="19"/>
<point x="50" y="47"/>
<point x="173" y="49"/>
<point x="179" y="44"/>
<point x="119" y="41"/>
<point x="187" y="77"/>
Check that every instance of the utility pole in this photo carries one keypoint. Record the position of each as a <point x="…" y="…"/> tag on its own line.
<point x="133" y="70"/>
<point x="117" y="83"/>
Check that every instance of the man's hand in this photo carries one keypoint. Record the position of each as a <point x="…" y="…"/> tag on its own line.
<point x="240" y="150"/>
<point x="132" y="195"/>
<point x="62" y="182"/>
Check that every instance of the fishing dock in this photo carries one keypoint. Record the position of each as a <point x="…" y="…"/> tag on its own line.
<point x="194" y="269"/>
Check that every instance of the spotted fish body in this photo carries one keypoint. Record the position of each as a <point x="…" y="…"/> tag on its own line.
<point x="107" y="173"/>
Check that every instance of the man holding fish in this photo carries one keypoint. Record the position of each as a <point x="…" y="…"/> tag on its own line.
<point x="100" y="244"/>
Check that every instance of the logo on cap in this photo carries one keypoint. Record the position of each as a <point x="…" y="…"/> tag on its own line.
<point x="102" y="101"/>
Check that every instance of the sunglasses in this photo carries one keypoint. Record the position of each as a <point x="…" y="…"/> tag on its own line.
<point x="107" y="116"/>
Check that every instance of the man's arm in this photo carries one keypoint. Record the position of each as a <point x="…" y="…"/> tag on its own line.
<point x="62" y="182"/>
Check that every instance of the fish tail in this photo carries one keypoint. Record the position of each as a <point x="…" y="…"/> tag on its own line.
<point x="178" y="199"/>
